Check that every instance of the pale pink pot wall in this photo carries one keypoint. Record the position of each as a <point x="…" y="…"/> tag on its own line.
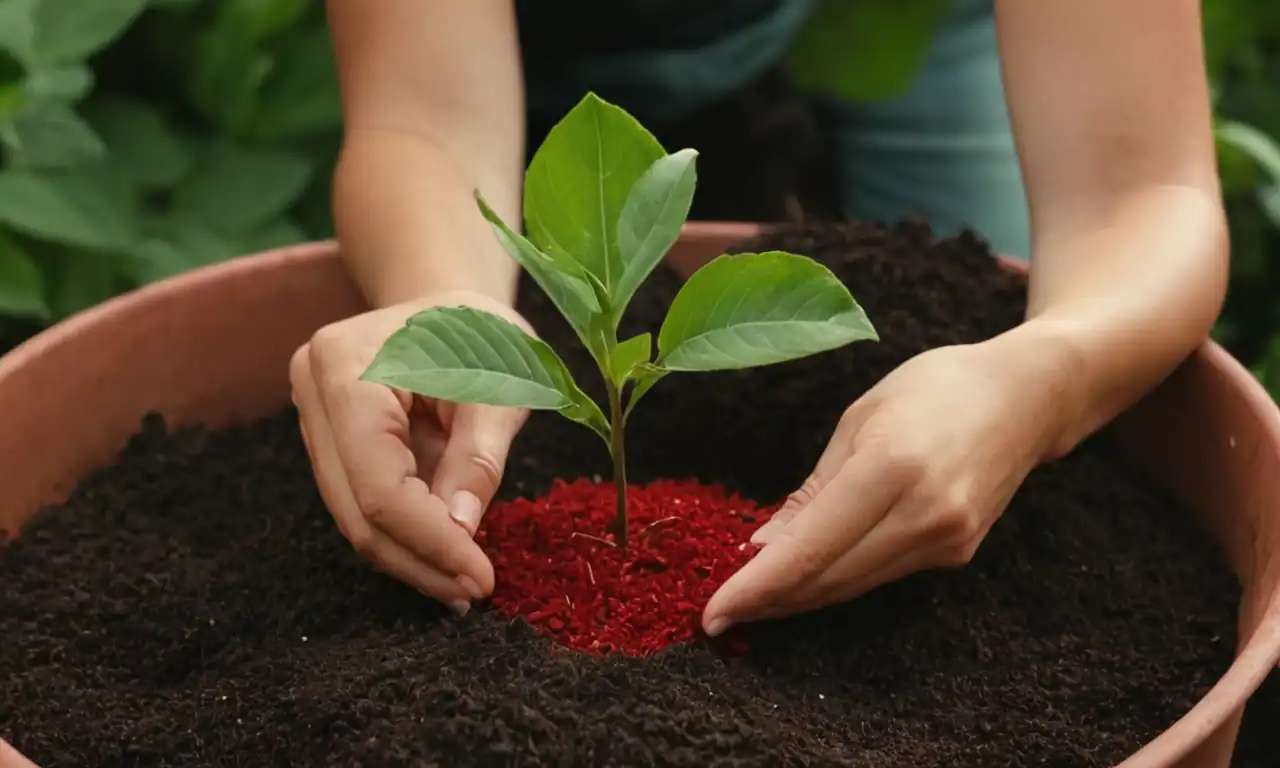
<point x="212" y="346"/>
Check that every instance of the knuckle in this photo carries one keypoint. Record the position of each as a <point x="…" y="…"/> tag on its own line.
<point x="489" y="466"/>
<point x="953" y="518"/>
<point x="326" y="345"/>
<point x="373" y="507"/>
<point x="808" y="556"/>
<point x="362" y="541"/>
<point x="328" y="337"/>
<point x="905" y="460"/>
<point x="804" y="495"/>
<point x="300" y="364"/>
<point x="958" y="555"/>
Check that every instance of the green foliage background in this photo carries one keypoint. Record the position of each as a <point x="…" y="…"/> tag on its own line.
<point x="142" y="138"/>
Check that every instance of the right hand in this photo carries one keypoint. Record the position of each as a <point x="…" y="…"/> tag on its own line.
<point x="12" y="758"/>
<point x="406" y="479"/>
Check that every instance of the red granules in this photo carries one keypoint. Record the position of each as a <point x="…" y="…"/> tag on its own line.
<point x="556" y="566"/>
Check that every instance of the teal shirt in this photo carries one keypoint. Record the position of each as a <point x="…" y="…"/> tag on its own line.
<point x="943" y="150"/>
<point x="662" y="59"/>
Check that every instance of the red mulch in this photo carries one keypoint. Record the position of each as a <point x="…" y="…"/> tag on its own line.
<point x="556" y="566"/>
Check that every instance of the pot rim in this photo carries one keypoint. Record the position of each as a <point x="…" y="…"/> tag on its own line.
<point x="1255" y="660"/>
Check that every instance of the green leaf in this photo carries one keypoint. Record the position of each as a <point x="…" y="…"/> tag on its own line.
<point x="628" y="355"/>
<point x="276" y="234"/>
<point x="227" y="77"/>
<point x="80" y="207"/>
<point x="12" y="99"/>
<point x="869" y="50"/>
<point x="51" y="135"/>
<point x="79" y="280"/>
<point x="1260" y="147"/>
<point x="21" y="283"/>
<point x="178" y="249"/>
<point x="236" y="190"/>
<point x="466" y="355"/>
<point x="256" y="20"/>
<point x="300" y="98"/>
<point x="61" y="82"/>
<point x="18" y="26"/>
<point x="70" y="30"/>
<point x="646" y="376"/>
<point x="651" y="220"/>
<point x="758" y="309"/>
<point x="579" y="181"/>
<point x="12" y="70"/>
<point x="141" y="144"/>
<point x="561" y="281"/>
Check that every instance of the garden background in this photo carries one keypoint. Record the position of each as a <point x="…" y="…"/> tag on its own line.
<point x="142" y="138"/>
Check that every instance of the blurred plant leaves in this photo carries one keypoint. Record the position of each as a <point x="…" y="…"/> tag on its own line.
<point x="301" y="97"/>
<point x="63" y="82"/>
<point x="21" y="283"/>
<point x="50" y="134"/>
<point x="78" y="280"/>
<point x="235" y="190"/>
<point x="70" y="30"/>
<point x="867" y="50"/>
<point x="142" y="145"/>
<point x="84" y="207"/>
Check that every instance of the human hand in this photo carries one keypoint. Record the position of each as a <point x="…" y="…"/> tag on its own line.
<point x="406" y="479"/>
<point x="915" y="475"/>
<point x="12" y="758"/>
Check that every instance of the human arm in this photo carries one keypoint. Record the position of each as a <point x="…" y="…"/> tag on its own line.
<point x="432" y="99"/>
<point x="1111" y="114"/>
<point x="1112" y="117"/>
<point x="433" y="105"/>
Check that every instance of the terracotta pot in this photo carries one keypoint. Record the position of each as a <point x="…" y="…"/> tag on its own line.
<point x="212" y="346"/>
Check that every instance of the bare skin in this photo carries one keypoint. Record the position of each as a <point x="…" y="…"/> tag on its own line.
<point x="1112" y="118"/>
<point x="1112" y="121"/>
<point x="433" y="103"/>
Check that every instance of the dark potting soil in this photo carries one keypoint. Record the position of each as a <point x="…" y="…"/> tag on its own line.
<point x="195" y="604"/>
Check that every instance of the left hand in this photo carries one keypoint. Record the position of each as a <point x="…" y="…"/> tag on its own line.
<point x="917" y="472"/>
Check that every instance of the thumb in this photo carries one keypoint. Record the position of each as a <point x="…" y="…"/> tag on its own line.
<point x="474" y="459"/>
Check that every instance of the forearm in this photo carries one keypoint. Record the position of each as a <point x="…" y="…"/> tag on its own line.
<point x="407" y="219"/>
<point x="1124" y="295"/>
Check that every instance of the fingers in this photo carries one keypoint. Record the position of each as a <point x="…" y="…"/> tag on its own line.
<point x="423" y="558"/>
<point x="11" y="758"/>
<point x="848" y="507"/>
<point x="470" y="470"/>
<point x="370" y="430"/>
<point x="889" y="551"/>
<point x="829" y="463"/>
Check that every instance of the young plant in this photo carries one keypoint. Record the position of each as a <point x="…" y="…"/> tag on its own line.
<point x="603" y="203"/>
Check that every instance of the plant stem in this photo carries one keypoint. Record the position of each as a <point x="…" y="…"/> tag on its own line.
<point x="617" y="451"/>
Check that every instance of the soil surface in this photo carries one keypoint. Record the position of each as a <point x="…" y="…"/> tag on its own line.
<point x="195" y="604"/>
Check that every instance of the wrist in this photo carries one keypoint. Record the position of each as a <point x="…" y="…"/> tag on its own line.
<point x="1086" y="374"/>
<point x="426" y="279"/>
<point x="1065" y="367"/>
<point x="409" y="226"/>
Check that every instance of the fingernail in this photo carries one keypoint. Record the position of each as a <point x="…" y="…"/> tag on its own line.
<point x="470" y="586"/>
<point x="717" y="626"/>
<point x="460" y="607"/>
<point x="465" y="508"/>
<point x="766" y="532"/>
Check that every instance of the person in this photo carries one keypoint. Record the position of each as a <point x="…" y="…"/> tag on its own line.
<point x="1079" y="136"/>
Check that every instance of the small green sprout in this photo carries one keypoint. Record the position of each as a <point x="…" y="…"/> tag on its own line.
<point x="603" y="203"/>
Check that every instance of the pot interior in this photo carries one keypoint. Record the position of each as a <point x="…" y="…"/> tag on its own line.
<point x="73" y="396"/>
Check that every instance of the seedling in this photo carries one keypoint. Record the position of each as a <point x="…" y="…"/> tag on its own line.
<point x="603" y="203"/>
